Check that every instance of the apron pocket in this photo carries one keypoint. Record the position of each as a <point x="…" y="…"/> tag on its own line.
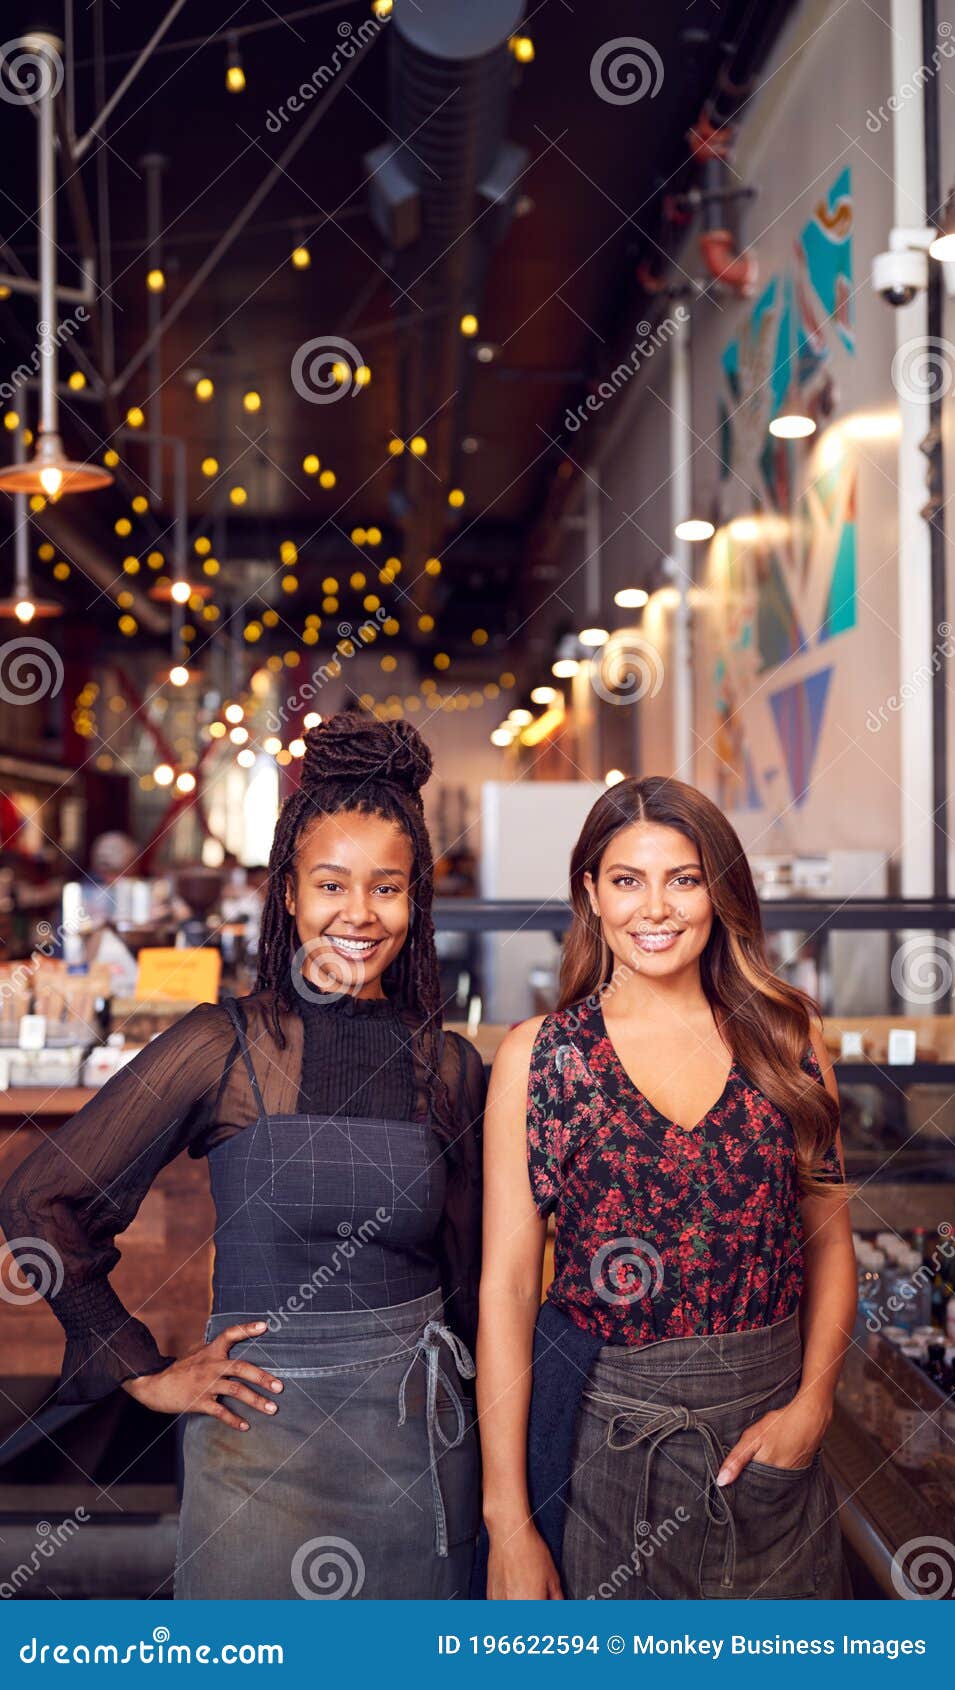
<point x="777" y="1515"/>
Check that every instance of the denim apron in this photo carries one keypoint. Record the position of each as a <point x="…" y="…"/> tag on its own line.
<point x="365" y="1481"/>
<point x="645" y="1517"/>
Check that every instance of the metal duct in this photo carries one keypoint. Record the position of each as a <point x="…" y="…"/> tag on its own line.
<point x="438" y="200"/>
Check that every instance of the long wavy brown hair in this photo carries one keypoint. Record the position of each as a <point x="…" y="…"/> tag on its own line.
<point x="765" y="1020"/>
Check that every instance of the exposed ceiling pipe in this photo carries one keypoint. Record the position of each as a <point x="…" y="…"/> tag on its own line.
<point x="442" y="195"/>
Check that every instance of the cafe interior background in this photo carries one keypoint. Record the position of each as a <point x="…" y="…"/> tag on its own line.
<point x="576" y="388"/>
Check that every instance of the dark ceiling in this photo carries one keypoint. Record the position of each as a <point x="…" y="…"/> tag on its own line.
<point x="554" y="291"/>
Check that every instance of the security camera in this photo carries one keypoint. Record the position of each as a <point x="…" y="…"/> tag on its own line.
<point x="902" y="272"/>
<point x="898" y="276"/>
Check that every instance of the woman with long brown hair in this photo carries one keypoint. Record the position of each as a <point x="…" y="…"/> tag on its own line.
<point x="330" y="1449"/>
<point x="654" y="1429"/>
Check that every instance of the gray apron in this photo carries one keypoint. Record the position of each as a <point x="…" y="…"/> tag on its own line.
<point x="365" y="1483"/>
<point x="645" y="1517"/>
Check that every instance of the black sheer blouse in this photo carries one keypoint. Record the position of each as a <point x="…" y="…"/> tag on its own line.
<point x="188" y="1089"/>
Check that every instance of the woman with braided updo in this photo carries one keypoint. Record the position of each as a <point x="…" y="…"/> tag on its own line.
<point x="330" y="1446"/>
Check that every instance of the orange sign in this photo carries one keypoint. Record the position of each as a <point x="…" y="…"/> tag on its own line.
<point x="190" y="975"/>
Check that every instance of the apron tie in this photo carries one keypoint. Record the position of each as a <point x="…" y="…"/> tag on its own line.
<point x="428" y="1347"/>
<point x="635" y="1422"/>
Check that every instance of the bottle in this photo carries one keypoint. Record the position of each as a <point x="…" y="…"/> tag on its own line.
<point x="900" y="1295"/>
<point x="950" y="1320"/>
<point x="869" y="1279"/>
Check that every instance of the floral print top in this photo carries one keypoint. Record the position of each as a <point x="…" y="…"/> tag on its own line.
<point x="660" y="1232"/>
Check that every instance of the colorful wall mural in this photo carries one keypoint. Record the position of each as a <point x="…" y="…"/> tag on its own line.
<point x="782" y="572"/>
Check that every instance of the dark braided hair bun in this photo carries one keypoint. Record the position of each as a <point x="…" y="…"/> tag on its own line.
<point x="353" y="747"/>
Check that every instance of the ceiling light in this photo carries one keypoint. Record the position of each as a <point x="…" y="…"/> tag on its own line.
<point x="593" y="636"/>
<point x="694" y="528"/>
<point x="51" y="472"/>
<point x="631" y="598"/>
<point x="543" y="695"/>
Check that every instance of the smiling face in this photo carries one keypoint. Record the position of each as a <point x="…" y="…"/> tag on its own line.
<point x="650" y="896"/>
<point x="350" y="896"/>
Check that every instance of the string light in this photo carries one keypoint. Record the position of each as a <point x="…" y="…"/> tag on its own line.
<point x="234" y="73"/>
<point x="396" y="447"/>
<point x="456" y="498"/>
<point x="469" y="324"/>
<point x="156" y="281"/>
<point x="204" y="389"/>
<point x="179" y="676"/>
<point x="163" y="774"/>
<point x="76" y="381"/>
<point x="252" y="401"/>
<point x="522" y="48"/>
<point x="311" y="464"/>
<point x="210" y="466"/>
<point x="238" y="495"/>
<point x="186" y="782"/>
<point x="135" y="416"/>
<point x="301" y="257"/>
<point x="418" y="445"/>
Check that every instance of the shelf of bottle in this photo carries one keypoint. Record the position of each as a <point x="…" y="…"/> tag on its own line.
<point x="897" y="1074"/>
